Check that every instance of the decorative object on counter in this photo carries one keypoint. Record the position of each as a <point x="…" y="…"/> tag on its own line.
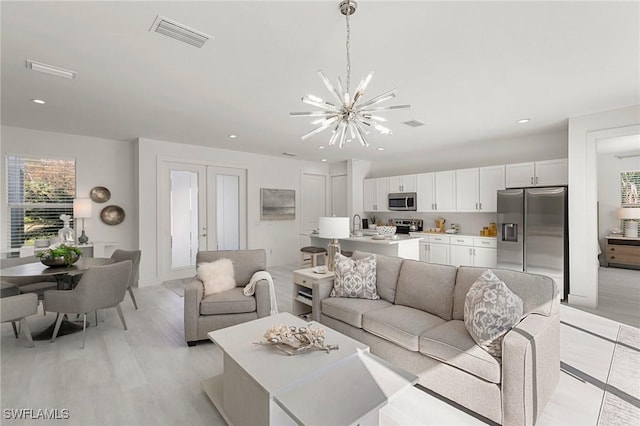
<point x="112" y="215"/>
<point x="440" y="224"/>
<point x="333" y="228"/>
<point x="373" y="224"/>
<point x="629" y="217"/>
<point x="66" y="234"/>
<point x="82" y="209"/>
<point x="59" y="255"/>
<point x="100" y="194"/>
<point x="454" y="228"/>
<point x="386" y="230"/>
<point x="614" y="230"/>
<point x="277" y="204"/>
<point x="295" y="340"/>
<point x="41" y="243"/>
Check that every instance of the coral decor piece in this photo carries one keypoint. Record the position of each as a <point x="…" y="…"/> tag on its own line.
<point x="295" y="340"/>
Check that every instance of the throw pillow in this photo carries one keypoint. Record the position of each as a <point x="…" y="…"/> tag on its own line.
<point x="355" y="278"/>
<point x="217" y="276"/>
<point x="490" y="310"/>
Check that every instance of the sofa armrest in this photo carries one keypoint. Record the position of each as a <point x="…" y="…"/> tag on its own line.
<point x="263" y="299"/>
<point x="321" y="291"/>
<point x="530" y="368"/>
<point x="193" y="294"/>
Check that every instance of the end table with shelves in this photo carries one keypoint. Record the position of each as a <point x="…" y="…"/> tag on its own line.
<point x="622" y="251"/>
<point x="309" y="288"/>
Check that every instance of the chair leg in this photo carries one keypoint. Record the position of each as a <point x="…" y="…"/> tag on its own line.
<point x="96" y="317"/>
<point x="15" y="329"/>
<point x="84" y="328"/>
<point x="133" y="297"/>
<point x="59" y="318"/>
<point x="27" y="332"/>
<point x="121" y="315"/>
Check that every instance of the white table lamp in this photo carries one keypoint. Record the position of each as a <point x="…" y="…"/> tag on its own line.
<point x="82" y="209"/>
<point x="630" y="216"/>
<point x="333" y="228"/>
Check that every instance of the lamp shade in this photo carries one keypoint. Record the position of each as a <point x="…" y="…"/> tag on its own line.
<point x="334" y="227"/>
<point x="82" y="208"/>
<point x="629" y="213"/>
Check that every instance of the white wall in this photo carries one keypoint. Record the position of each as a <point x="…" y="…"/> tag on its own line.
<point x="281" y="239"/>
<point x="99" y="162"/>
<point x="584" y="133"/>
<point x="609" y="169"/>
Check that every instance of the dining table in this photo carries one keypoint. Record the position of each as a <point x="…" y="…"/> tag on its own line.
<point x="65" y="276"/>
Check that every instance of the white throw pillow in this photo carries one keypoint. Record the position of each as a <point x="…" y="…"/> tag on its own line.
<point x="217" y="276"/>
<point x="355" y="278"/>
<point x="491" y="309"/>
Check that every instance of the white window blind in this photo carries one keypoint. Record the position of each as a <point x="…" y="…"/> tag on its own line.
<point x="630" y="188"/>
<point x="39" y="190"/>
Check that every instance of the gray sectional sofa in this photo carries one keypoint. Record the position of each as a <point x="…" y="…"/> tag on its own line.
<point x="418" y="325"/>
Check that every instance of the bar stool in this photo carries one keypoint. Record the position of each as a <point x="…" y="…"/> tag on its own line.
<point x="346" y="253"/>
<point x="313" y="253"/>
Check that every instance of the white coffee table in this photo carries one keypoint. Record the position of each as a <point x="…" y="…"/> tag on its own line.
<point x="262" y="386"/>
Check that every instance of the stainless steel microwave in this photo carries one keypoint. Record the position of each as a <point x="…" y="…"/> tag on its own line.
<point x="405" y="201"/>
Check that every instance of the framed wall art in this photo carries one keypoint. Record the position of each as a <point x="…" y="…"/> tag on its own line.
<point x="277" y="204"/>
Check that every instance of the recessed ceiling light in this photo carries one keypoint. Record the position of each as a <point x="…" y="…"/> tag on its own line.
<point x="38" y="101"/>
<point x="321" y="147"/>
<point x="324" y="159"/>
<point x="381" y="149"/>
<point x="524" y="120"/>
<point x="232" y="136"/>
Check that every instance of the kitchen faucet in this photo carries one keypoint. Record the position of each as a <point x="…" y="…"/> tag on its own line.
<point x="359" y="223"/>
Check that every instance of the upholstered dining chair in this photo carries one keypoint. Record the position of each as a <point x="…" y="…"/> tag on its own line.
<point x="100" y="287"/>
<point x="36" y="285"/>
<point x="134" y="256"/>
<point x="18" y="308"/>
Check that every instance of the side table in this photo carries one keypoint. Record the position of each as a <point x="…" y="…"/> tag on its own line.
<point x="309" y="288"/>
<point x="623" y="251"/>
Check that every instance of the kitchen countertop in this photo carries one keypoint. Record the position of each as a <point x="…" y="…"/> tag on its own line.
<point x="444" y="234"/>
<point x="370" y="240"/>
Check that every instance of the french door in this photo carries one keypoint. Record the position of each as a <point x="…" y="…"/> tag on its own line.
<point x="201" y="207"/>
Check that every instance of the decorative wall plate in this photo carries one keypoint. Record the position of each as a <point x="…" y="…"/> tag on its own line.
<point x="112" y="215"/>
<point x="100" y="194"/>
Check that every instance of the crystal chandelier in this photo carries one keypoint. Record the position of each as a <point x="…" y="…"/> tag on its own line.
<point x="348" y="116"/>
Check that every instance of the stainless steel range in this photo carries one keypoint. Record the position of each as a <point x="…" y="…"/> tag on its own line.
<point x="404" y="226"/>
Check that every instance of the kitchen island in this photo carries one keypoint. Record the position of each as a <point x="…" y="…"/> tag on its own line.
<point x="404" y="246"/>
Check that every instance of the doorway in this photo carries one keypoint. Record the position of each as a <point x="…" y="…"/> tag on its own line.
<point x="313" y="201"/>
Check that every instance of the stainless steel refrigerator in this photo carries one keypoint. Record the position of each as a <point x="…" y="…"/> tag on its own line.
<point x="533" y="233"/>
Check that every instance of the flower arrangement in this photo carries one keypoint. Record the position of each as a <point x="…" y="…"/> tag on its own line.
<point x="294" y="340"/>
<point x="60" y="254"/>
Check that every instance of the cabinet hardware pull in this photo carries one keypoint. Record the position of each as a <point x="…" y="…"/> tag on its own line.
<point x="531" y="180"/>
<point x="480" y="206"/>
<point x="476" y="206"/>
<point x="536" y="180"/>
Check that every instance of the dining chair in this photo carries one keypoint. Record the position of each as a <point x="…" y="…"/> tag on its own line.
<point x="18" y="308"/>
<point x="134" y="256"/>
<point x="36" y="284"/>
<point x="100" y="287"/>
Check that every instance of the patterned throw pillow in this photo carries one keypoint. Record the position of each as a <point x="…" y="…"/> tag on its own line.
<point x="490" y="310"/>
<point x="355" y="278"/>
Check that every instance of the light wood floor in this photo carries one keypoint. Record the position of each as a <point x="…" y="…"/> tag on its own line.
<point x="148" y="376"/>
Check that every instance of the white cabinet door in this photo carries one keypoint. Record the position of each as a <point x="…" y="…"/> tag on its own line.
<point x="369" y="195"/>
<point x="445" y="191"/>
<point x="425" y="192"/>
<point x="467" y="190"/>
<point x="382" y="194"/>
<point x="461" y="255"/>
<point x="439" y="253"/>
<point x="552" y="172"/>
<point x="424" y="252"/>
<point x="485" y="257"/>
<point x="491" y="179"/>
<point x="520" y="175"/>
<point x="395" y="184"/>
<point x="409" y="183"/>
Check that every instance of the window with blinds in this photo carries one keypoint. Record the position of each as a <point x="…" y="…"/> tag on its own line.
<point x="39" y="190"/>
<point x="630" y="188"/>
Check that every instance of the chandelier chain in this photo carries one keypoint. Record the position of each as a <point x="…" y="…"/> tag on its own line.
<point x="348" y="46"/>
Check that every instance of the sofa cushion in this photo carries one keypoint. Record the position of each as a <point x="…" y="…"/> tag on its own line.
<point x="400" y="324"/>
<point x="387" y="272"/>
<point x="491" y="310"/>
<point x="538" y="292"/>
<point x="451" y="343"/>
<point x="350" y="310"/>
<point x="227" y="302"/>
<point x="355" y="278"/>
<point x="427" y="287"/>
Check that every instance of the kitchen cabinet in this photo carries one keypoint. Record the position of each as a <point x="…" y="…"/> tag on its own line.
<point x="467" y="190"/>
<point x="539" y="173"/>
<point x="435" y="249"/>
<point x="436" y="191"/>
<point x="476" y="189"/>
<point x="375" y="194"/>
<point x="472" y="251"/>
<point x="405" y="183"/>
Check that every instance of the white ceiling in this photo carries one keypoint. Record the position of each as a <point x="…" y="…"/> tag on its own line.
<point x="469" y="70"/>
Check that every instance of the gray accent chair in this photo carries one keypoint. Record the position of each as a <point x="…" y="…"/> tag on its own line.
<point x="18" y="308"/>
<point x="220" y="310"/>
<point x="134" y="256"/>
<point x="100" y="287"/>
<point x="37" y="285"/>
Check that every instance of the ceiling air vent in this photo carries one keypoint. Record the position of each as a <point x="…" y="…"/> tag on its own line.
<point x="179" y="31"/>
<point x="413" y="123"/>
<point x="50" y="69"/>
<point x="289" y="154"/>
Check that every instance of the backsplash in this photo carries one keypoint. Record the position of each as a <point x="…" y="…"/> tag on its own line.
<point x="470" y="223"/>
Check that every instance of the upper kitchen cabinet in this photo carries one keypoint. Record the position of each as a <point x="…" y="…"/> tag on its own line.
<point x="375" y="194"/>
<point x="476" y="189"/>
<point x="405" y="183"/>
<point x="539" y="173"/>
<point x="436" y="191"/>
<point x="467" y="190"/>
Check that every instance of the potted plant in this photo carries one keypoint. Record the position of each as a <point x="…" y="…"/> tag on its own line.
<point x="59" y="255"/>
<point x="372" y="222"/>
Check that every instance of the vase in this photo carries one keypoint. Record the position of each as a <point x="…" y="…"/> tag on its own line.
<point x="59" y="260"/>
<point x="66" y="234"/>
